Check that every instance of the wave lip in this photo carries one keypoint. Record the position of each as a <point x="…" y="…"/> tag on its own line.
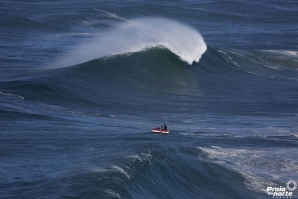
<point x="137" y="35"/>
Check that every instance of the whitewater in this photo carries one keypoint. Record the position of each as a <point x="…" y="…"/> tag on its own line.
<point x="137" y="35"/>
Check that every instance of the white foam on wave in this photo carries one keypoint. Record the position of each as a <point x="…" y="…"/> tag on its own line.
<point x="260" y="167"/>
<point x="113" y="168"/>
<point x="121" y="170"/>
<point x="283" y="52"/>
<point x="9" y="95"/>
<point x="70" y="34"/>
<point x="141" y="157"/>
<point x="112" y="193"/>
<point x="109" y="14"/>
<point x="137" y="35"/>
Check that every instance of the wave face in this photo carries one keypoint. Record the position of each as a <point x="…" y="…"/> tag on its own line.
<point x="83" y="83"/>
<point x="149" y="79"/>
<point x="139" y="34"/>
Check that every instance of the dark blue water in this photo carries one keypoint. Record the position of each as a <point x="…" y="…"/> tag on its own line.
<point x="83" y="83"/>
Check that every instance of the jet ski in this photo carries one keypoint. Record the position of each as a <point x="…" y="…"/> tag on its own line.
<point x="158" y="130"/>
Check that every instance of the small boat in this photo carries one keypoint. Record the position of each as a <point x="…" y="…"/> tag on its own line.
<point x="158" y="130"/>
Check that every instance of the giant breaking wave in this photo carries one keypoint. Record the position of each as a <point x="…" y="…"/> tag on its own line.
<point x="137" y="35"/>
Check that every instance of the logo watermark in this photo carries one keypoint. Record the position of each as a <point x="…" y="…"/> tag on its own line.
<point x="283" y="192"/>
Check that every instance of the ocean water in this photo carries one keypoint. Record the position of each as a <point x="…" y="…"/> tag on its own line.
<point x="83" y="83"/>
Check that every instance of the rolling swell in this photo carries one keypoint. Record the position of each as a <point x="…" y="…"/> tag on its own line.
<point x="115" y="82"/>
<point x="120" y="79"/>
<point x="120" y="82"/>
<point x="170" y="171"/>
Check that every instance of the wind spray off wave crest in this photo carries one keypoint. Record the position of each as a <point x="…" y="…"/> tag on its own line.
<point x="137" y="35"/>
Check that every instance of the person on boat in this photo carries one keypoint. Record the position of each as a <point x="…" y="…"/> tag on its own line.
<point x="162" y="127"/>
<point x="165" y="127"/>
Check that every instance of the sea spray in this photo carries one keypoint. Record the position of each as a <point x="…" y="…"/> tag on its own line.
<point x="137" y="35"/>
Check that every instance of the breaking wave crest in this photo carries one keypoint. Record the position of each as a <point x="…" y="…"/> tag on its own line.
<point x="137" y="35"/>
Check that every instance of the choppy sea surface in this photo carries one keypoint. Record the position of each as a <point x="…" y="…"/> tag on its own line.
<point x="83" y="83"/>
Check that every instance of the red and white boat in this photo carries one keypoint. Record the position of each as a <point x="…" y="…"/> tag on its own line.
<point x="158" y="130"/>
